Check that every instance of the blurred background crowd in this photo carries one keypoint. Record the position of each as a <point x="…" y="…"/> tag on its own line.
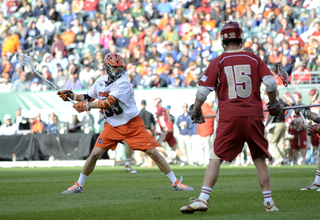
<point x="164" y="43"/>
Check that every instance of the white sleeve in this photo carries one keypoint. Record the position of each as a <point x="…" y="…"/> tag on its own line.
<point x="92" y="91"/>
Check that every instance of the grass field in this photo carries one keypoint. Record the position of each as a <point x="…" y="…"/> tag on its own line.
<point x="110" y="193"/>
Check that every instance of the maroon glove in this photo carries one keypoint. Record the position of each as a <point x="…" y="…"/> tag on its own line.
<point x="274" y="109"/>
<point x="312" y="129"/>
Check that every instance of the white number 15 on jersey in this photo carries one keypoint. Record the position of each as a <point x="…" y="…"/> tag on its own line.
<point x="236" y="76"/>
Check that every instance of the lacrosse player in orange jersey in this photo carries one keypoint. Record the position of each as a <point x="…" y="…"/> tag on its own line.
<point x="114" y="94"/>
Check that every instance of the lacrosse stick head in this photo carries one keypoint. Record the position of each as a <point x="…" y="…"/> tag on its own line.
<point x="282" y="74"/>
<point x="26" y="61"/>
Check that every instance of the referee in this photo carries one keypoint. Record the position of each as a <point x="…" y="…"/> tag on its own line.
<point x="147" y="118"/>
<point x="149" y="124"/>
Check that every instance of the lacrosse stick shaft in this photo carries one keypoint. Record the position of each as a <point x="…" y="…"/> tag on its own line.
<point x="25" y="61"/>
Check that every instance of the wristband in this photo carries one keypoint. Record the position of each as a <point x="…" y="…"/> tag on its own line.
<point x="74" y="96"/>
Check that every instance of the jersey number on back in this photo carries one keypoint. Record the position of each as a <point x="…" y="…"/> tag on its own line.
<point x="118" y="110"/>
<point x="239" y="81"/>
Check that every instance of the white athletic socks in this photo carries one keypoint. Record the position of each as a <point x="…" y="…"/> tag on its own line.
<point x="172" y="177"/>
<point x="128" y="161"/>
<point x="317" y="179"/>
<point x="205" y="192"/>
<point x="267" y="196"/>
<point x="82" y="179"/>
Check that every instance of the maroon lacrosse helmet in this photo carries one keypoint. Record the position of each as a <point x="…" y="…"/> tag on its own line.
<point x="314" y="93"/>
<point x="297" y="96"/>
<point x="231" y="30"/>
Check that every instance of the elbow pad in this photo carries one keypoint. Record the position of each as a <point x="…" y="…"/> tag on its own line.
<point x="270" y="83"/>
<point x="202" y="93"/>
<point x="87" y="97"/>
<point x="106" y="102"/>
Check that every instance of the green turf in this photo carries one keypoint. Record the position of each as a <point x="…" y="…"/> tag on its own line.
<point x="110" y="193"/>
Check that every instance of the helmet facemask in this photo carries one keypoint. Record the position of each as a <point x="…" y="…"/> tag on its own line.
<point x="114" y="75"/>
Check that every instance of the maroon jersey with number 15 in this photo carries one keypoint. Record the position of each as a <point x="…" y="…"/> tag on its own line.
<point x="236" y="77"/>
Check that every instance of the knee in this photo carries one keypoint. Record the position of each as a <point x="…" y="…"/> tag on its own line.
<point x="95" y="155"/>
<point x="151" y="152"/>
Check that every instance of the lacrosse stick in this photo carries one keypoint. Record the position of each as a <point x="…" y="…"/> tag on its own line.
<point x="28" y="62"/>
<point x="284" y="77"/>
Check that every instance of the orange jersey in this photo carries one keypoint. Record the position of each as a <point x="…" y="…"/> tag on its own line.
<point x="37" y="127"/>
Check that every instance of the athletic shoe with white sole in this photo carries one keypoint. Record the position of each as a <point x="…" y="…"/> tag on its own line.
<point x="178" y="186"/>
<point x="313" y="186"/>
<point x="128" y="168"/>
<point x="76" y="188"/>
<point x="197" y="204"/>
<point x="270" y="207"/>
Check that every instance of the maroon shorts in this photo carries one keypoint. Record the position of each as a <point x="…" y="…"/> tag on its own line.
<point x="294" y="143"/>
<point x="170" y="139"/>
<point x="232" y="133"/>
<point x="315" y="141"/>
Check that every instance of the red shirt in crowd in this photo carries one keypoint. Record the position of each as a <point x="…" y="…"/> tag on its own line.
<point x="91" y="5"/>
<point x="292" y="41"/>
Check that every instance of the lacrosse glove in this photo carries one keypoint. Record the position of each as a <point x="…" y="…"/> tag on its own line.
<point x="196" y="116"/>
<point x="312" y="129"/>
<point x="274" y="109"/>
<point x="305" y="111"/>
<point x="64" y="94"/>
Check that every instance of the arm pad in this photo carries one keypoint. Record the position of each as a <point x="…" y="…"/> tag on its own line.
<point x="87" y="97"/>
<point x="106" y="102"/>
<point x="270" y="83"/>
<point x="202" y="93"/>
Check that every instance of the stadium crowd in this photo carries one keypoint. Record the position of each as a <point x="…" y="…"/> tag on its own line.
<point x="164" y="43"/>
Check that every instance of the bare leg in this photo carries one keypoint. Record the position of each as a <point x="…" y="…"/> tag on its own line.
<point x="318" y="167"/>
<point x="212" y="173"/>
<point x="127" y="151"/>
<point x="160" y="161"/>
<point x="263" y="173"/>
<point x="88" y="167"/>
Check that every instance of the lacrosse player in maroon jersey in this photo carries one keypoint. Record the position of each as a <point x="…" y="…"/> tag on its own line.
<point x="312" y="129"/>
<point x="236" y="77"/>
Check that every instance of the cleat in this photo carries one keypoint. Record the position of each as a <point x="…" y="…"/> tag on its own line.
<point x="128" y="168"/>
<point x="313" y="186"/>
<point x="178" y="186"/>
<point x="270" y="207"/>
<point x="74" y="189"/>
<point x="199" y="204"/>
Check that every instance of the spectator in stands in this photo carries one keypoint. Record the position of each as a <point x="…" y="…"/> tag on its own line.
<point x="52" y="127"/>
<point x="32" y="30"/>
<point x="61" y="79"/>
<point x="21" y="84"/>
<point x="196" y="79"/>
<point x="68" y="36"/>
<point x="228" y="14"/>
<point x="5" y="85"/>
<point x="8" y="128"/>
<point x="40" y="9"/>
<point x="85" y="75"/>
<point x="28" y="12"/>
<point x="316" y="33"/>
<point x="163" y="7"/>
<point x="73" y="83"/>
<point x="151" y="11"/>
<point x="217" y="13"/>
<point x="276" y="56"/>
<point x="88" y="117"/>
<point x="286" y="28"/>
<point x="313" y="16"/>
<point x="53" y="15"/>
<point x="295" y="39"/>
<point x="19" y="117"/>
<point x="300" y="27"/>
<point x="92" y="37"/>
<point x="59" y="59"/>
<point x="42" y="48"/>
<point x="58" y="45"/>
<point x="11" y="43"/>
<point x="265" y="26"/>
<point x="80" y="36"/>
<point x="123" y="7"/>
<point x="286" y="65"/>
<point x="301" y="74"/>
<point x="315" y="65"/>
<point x="35" y="125"/>
<point x="21" y="29"/>
<point x="35" y="85"/>
<point x="75" y="125"/>
<point x="294" y="54"/>
<point x="158" y="82"/>
<point x="91" y="6"/>
<point x="44" y="25"/>
<point x="68" y="16"/>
